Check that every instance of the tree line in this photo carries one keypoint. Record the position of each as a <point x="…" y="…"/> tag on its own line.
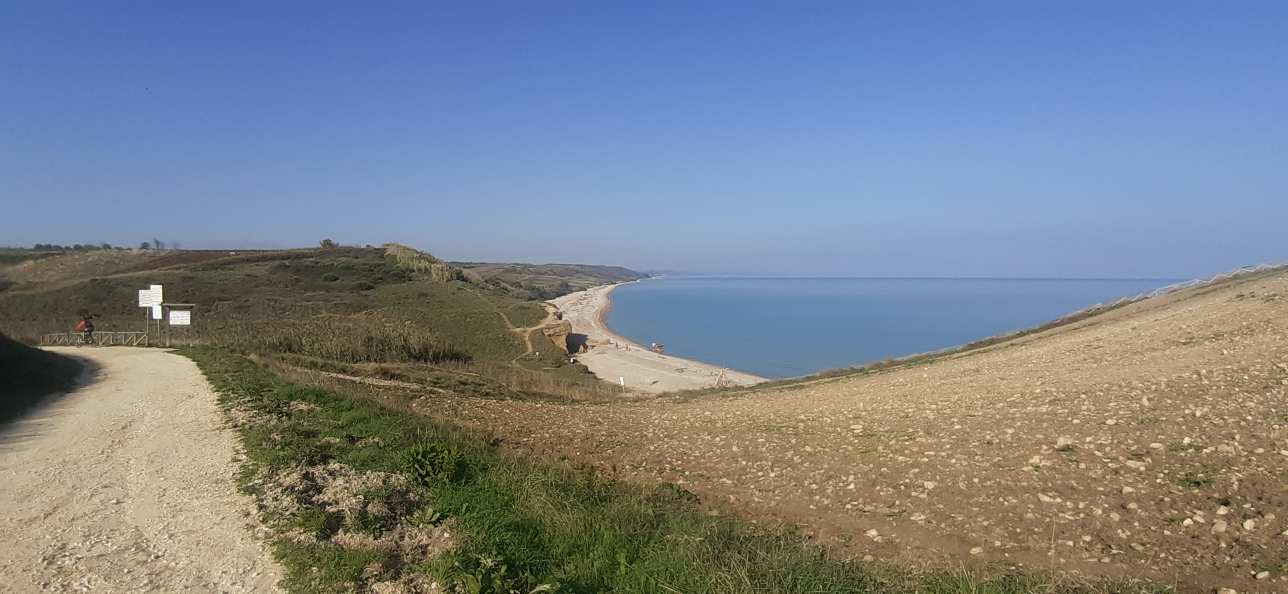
<point x="155" y="244"/>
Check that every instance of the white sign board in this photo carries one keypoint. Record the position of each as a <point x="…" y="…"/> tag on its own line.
<point x="180" y="317"/>
<point x="156" y="312"/>
<point x="150" y="297"/>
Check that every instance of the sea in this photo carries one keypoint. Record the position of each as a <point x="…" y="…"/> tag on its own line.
<point x="787" y="327"/>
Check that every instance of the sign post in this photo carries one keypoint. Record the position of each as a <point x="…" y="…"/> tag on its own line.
<point x="150" y="299"/>
<point x="176" y="314"/>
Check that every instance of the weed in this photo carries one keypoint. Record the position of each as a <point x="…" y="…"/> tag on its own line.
<point x="1193" y="480"/>
<point x="431" y="462"/>
<point x="425" y="517"/>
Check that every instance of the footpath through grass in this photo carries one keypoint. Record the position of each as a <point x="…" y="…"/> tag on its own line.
<point x="364" y="497"/>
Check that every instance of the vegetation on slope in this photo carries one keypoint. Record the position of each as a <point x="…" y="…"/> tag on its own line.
<point x="11" y="256"/>
<point x="546" y="281"/>
<point x="27" y="375"/>
<point x="364" y="495"/>
<point x="390" y="312"/>
<point x="418" y="261"/>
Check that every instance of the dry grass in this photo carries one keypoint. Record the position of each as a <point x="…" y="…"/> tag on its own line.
<point x="421" y="262"/>
<point x="344" y="340"/>
<point x="579" y="387"/>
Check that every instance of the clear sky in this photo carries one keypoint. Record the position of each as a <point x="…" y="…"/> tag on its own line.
<point x="850" y="138"/>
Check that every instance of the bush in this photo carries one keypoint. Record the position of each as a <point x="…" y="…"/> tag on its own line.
<point x="330" y="277"/>
<point x="431" y="462"/>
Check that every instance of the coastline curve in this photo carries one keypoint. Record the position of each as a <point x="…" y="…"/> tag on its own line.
<point x="616" y="358"/>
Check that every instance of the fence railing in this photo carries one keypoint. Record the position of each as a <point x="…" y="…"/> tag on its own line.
<point x="98" y="338"/>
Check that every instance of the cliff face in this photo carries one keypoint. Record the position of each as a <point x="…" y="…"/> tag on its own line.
<point x="558" y="333"/>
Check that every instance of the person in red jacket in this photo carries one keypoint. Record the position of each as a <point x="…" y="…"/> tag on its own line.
<point x="86" y="325"/>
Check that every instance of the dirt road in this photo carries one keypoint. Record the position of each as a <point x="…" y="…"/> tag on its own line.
<point x="128" y="485"/>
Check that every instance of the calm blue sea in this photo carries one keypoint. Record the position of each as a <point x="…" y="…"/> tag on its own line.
<point x="778" y="327"/>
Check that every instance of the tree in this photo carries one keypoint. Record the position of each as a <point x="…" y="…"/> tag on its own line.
<point x="145" y="246"/>
<point x="327" y="243"/>
<point x="158" y="243"/>
<point x="105" y="245"/>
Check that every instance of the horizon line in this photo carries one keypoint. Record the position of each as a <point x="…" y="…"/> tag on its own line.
<point x="917" y="277"/>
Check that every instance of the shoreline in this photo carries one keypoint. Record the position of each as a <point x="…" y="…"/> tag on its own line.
<point x="616" y="358"/>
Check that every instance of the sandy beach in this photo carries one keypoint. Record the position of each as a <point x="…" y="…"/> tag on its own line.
<point x="616" y="358"/>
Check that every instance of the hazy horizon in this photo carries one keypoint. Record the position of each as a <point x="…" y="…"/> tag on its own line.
<point x="834" y="139"/>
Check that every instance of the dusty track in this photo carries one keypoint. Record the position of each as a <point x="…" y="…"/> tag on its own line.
<point x="1148" y="441"/>
<point x="128" y="485"/>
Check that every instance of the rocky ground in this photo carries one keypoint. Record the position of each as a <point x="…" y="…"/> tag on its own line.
<point x="1150" y="441"/>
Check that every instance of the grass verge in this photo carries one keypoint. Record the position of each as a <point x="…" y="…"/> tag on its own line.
<point x="365" y="497"/>
<point x="29" y="374"/>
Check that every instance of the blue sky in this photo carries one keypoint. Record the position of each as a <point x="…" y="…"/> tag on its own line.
<point x="848" y="138"/>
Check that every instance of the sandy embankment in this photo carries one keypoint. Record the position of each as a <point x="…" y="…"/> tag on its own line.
<point x="615" y="358"/>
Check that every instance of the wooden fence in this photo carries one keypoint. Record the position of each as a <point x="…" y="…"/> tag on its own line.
<point x="99" y="338"/>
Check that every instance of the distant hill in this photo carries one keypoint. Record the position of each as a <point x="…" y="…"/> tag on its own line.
<point x="547" y="281"/>
<point x="391" y="311"/>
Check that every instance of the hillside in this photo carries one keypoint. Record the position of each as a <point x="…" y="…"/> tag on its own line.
<point x="1148" y="441"/>
<point x="547" y="281"/>
<point x="28" y="375"/>
<point x="390" y="312"/>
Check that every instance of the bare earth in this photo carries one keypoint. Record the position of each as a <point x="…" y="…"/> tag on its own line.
<point x="1150" y="441"/>
<point x="616" y="359"/>
<point x="128" y="485"/>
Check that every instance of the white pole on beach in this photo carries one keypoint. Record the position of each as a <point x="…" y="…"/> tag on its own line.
<point x="621" y="380"/>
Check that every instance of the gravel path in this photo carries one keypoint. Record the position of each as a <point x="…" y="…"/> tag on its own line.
<point x="128" y="485"/>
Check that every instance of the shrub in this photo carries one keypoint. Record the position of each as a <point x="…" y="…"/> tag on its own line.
<point x="431" y="462"/>
<point x="330" y="277"/>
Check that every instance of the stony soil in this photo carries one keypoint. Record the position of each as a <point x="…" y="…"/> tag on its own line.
<point x="128" y="485"/>
<point x="1150" y="441"/>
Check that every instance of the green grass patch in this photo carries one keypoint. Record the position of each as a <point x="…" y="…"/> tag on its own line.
<point x="1195" y="480"/>
<point x="521" y="525"/>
